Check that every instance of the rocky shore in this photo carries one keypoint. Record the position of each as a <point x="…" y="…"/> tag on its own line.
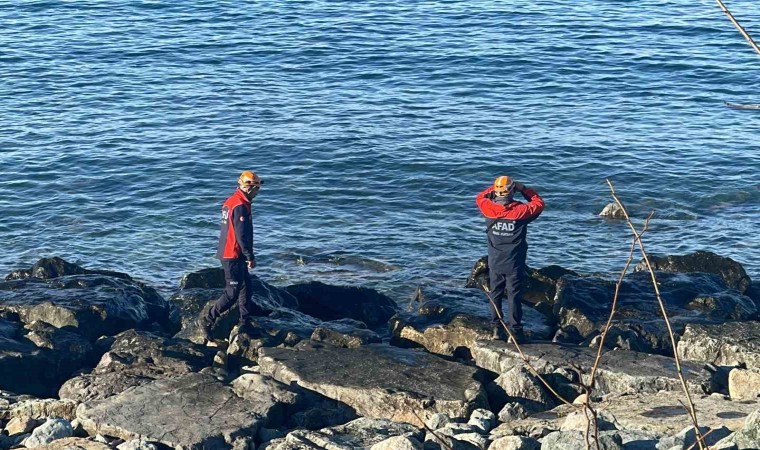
<point x="95" y="360"/>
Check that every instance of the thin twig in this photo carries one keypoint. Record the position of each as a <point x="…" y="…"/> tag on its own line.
<point x="692" y="409"/>
<point x="741" y="29"/>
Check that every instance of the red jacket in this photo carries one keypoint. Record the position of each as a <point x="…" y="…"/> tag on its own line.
<point x="236" y="234"/>
<point x="513" y="211"/>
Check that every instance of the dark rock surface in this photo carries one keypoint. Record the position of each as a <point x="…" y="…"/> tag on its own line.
<point x="726" y="344"/>
<point x="380" y="381"/>
<point x="731" y="272"/>
<point x="584" y="304"/>
<point x="541" y="285"/>
<point x="620" y="371"/>
<point x="191" y="303"/>
<point x="194" y="411"/>
<point x="136" y="358"/>
<point x="448" y="321"/>
<point x="351" y="339"/>
<point x="94" y="305"/>
<point x="327" y="302"/>
<point x="47" y="268"/>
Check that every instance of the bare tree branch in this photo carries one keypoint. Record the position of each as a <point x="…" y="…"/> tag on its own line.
<point x="741" y="29"/>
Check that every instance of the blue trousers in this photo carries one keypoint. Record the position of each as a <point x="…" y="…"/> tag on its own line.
<point x="512" y="284"/>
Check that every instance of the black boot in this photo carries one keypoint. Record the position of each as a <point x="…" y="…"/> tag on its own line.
<point x="498" y="333"/>
<point x="518" y="336"/>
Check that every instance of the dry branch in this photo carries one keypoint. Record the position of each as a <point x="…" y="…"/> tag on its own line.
<point x="741" y="29"/>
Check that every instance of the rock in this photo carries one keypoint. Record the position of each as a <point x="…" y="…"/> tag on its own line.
<point x="210" y="278"/>
<point x="513" y="411"/>
<point x="584" y="303"/>
<point x="483" y="419"/>
<point x="583" y="420"/>
<point x="361" y="433"/>
<point x="136" y="358"/>
<point x="137" y="444"/>
<point x="352" y="339"/>
<point x="48" y="432"/>
<point x="398" y="443"/>
<point x="519" y="385"/>
<point x="39" y="409"/>
<point x="744" y="384"/>
<point x="731" y="272"/>
<point x="619" y="372"/>
<point x="514" y="443"/>
<point x="612" y="211"/>
<point x="727" y="344"/>
<point x="402" y="385"/>
<point x="19" y="425"/>
<point x="161" y="411"/>
<point x="686" y="438"/>
<point x="253" y="387"/>
<point x="93" y="305"/>
<point x="74" y="443"/>
<point x="639" y="440"/>
<point x="192" y="303"/>
<point x="438" y="420"/>
<point x="748" y="436"/>
<point x="576" y="440"/>
<point x="540" y="285"/>
<point x="449" y="321"/>
<point x="328" y="302"/>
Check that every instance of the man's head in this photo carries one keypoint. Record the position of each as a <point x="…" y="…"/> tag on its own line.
<point x="249" y="183"/>
<point x="504" y="186"/>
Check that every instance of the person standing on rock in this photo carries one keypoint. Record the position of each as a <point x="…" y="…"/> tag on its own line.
<point x="507" y="227"/>
<point x="235" y="251"/>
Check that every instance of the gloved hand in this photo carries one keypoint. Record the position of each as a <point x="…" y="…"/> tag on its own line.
<point x="519" y="186"/>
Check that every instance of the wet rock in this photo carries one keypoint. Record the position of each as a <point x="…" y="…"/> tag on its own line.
<point x="541" y="285"/>
<point x="576" y="440"/>
<point x="210" y="278"/>
<point x="402" y="385"/>
<point x="584" y="303"/>
<point x="48" y="432"/>
<point x="744" y="384"/>
<point x="74" y="443"/>
<point x="93" y="305"/>
<point x="136" y="358"/>
<point x="361" y="433"/>
<point x="55" y="267"/>
<point x="161" y="411"/>
<point x="327" y="302"/>
<point x="612" y="211"/>
<point x="514" y="443"/>
<point x="449" y="321"/>
<point x="192" y="303"/>
<point x="352" y="339"/>
<point x="748" y="436"/>
<point x="727" y="344"/>
<point x="731" y="272"/>
<point x="620" y="371"/>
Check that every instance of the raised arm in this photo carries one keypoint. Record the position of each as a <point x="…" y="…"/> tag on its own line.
<point x="513" y="211"/>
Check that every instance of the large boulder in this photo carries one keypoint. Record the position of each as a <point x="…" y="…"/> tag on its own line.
<point x="192" y="302"/>
<point x="48" y="432"/>
<point x="136" y="358"/>
<point x="619" y="371"/>
<point x="449" y="320"/>
<point x="540" y="286"/>
<point x="731" y="272"/>
<point x="327" y="302"/>
<point x="93" y="305"/>
<point x="748" y="436"/>
<point x="380" y="381"/>
<point x="726" y="344"/>
<point x="583" y="303"/>
<point x="744" y="384"/>
<point x="360" y="434"/>
<point x="26" y="407"/>
<point x="577" y="440"/>
<point x="47" y="268"/>
<point x="74" y="443"/>
<point x="37" y="359"/>
<point x="193" y="411"/>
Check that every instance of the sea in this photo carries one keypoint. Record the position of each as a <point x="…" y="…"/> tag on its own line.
<point x="374" y="124"/>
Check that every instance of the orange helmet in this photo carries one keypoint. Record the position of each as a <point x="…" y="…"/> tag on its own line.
<point x="249" y="180"/>
<point x="503" y="185"/>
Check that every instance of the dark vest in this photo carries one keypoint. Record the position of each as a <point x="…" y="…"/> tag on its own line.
<point x="507" y="241"/>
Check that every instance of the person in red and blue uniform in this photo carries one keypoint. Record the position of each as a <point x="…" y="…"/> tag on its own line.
<point x="507" y="226"/>
<point x="235" y="251"/>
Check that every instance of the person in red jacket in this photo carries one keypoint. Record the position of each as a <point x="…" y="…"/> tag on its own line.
<point x="235" y="251"/>
<point x="507" y="227"/>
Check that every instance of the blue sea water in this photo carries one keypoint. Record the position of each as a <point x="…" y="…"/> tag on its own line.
<point x="124" y="124"/>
